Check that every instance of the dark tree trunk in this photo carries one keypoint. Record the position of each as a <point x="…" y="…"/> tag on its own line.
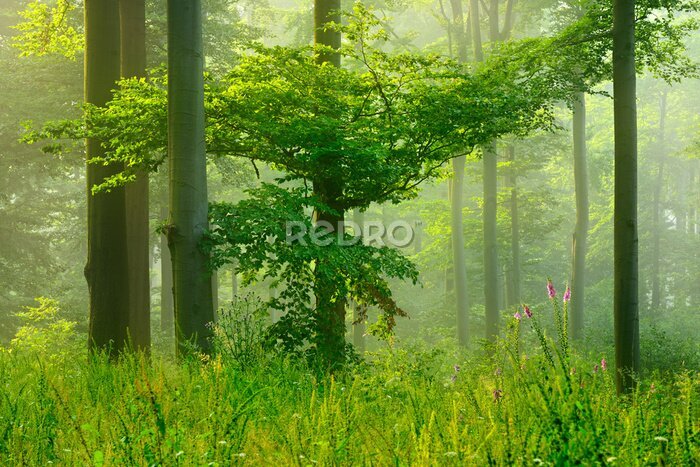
<point x="132" y="15"/>
<point x="358" y="329"/>
<point x="625" y="223"/>
<point x="194" y="309"/>
<point x="580" y="246"/>
<point x="330" y="306"/>
<point x="106" y="271"/>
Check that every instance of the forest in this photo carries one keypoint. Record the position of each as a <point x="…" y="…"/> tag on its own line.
<point x="349" y="232"/>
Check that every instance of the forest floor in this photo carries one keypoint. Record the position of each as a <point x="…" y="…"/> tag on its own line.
<point x="404" y="408"/>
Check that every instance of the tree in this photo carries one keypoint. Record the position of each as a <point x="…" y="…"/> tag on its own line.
<point x="132" y="15"/>
<point x="626" y="300"/>
<point x="459" y="262"/>
<point x="656" y="210"/>
<point x="188" y="221"/>
<point x="107" y="270"/>
<point x="580" y="239"/>
<point x="330" y="306"/>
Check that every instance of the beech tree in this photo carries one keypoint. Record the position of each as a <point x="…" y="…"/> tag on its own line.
<point x="626" y="235"/>
<point x="107" y="271"/>
<point x="188" y="220"/>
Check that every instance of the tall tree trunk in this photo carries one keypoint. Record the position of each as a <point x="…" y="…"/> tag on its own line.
<point x="234" y="282"/>
<point x="656" y="214"/>
<point x="449" y="269"/>
<point x="194" y="309"/>
<point x="514" y="285"/>
<point x="167" y="316"/>
<point x="358" y="329"/>
<point x="626" y="301"/>
<point x="580" y="247"/>
<point x="459" y="262"/>
<point x="106" y="271"/>
<point x="491" y="280"/>
<point x="330" y="306"/>
<point x="132" y="14"/>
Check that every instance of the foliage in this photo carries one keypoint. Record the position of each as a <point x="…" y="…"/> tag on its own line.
<point x="49" y="28"/>
<point x="240" y="331"/>
<point x="255" y="232"/>
<point x="388" y="412"/>
<point x="44" y="331"/>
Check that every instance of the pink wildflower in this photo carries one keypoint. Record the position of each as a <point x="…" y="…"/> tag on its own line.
<point x="517" y="315"/>
<point x="604" y="364"/>
<point x="567" y="294"/>
<point x="526" y="310"/>
<point x="550" y="289"/>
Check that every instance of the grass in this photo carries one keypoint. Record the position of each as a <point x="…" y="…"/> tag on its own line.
<point x="404" y="408"/>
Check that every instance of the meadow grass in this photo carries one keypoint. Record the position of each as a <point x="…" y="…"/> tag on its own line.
<point x="402" y="408"/>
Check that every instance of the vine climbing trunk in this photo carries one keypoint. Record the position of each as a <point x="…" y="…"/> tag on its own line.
<point x="132" y="15"/>
<point x="194" y="310"/>
<point x="626" y="269"/>
<point x="107" y="270"/>
<point x="580" y="245"/>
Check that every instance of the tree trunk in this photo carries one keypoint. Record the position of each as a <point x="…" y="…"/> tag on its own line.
<point x="188" y="177"/>
<point x="358" y="329"/>
<point x="514" y="285"/>
<point x="491" y="281"/>
<point x="106" y="271"/>
<point x="459" y="262"/>
<point x="234" y="282"/>
<point x="656" y="214"/>
<point x="330" y="307"/>
<point x="625" y="224"/>
<point x="580" y="246"/>
<point x="458" y="255"/>
<point x="167" y="316"/>
<point x="132" y="14"/>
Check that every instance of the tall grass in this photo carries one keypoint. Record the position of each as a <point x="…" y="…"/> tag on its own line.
<point x="398" y="410"/>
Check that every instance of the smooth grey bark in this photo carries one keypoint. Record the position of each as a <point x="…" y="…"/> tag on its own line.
<point x="514" y="273"/>
<point x="656" y="209"/>
<point x="626" y="301"/>
<point x="194" y="309"/>
<point x="132" y="15"/>
<point x="106" y="271"/>
<point x="580" y="238"/>
<point x="167" y="316"/>
<point x="491" y="280"/>
<point x="459" y="262"/>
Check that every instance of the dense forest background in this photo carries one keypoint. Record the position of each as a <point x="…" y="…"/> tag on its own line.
<point x="515" y="327"/>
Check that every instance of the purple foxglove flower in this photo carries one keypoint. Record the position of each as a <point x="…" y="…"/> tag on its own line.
<point x="604" y="364"/>
<point x="567" y="294"/>
<point x="550" y="289"/>
<point x="526" y="310"/>
<point x="517" y="315"/>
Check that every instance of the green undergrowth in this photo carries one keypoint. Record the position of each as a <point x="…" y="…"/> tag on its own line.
<point x="403" y="408"/>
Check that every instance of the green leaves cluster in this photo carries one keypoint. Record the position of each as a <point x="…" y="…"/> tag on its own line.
<point x="254" y="233"/>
